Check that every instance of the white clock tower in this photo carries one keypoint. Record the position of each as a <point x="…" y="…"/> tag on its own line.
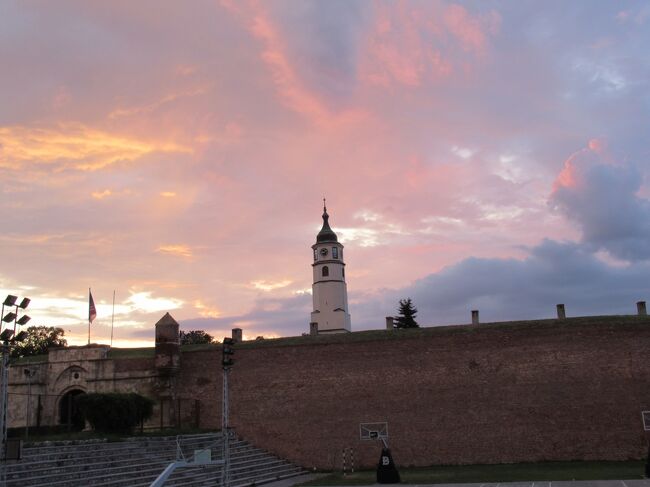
<point x="329" y="291"/>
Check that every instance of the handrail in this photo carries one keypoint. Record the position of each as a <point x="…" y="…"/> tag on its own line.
<point x="160" y="480"/>
<point x="182" y="461"/>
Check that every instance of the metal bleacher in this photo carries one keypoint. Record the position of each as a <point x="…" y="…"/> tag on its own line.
<point x="137" y="462"/>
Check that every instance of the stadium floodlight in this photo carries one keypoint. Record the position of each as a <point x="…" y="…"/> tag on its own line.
<point x="20" y="337"/>
<point x="6" y="335"/>
<point x="23" y="320"/>
<point x="9" y="317"/>
<point x="10" y="300"/>
<point x="24" y="303"/>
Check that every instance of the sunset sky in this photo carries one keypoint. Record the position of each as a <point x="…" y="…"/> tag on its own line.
<point x="490" y="155"/>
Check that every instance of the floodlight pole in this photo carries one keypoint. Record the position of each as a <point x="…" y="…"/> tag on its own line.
<point x="4" y="376"/>
<point x="225" y="471"/>
<point x="29" y="373"/>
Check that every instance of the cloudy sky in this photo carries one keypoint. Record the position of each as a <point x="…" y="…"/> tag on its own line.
<point x="474" y="155"/>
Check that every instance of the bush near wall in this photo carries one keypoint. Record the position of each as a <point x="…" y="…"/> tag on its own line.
<point x="115" y="412"/>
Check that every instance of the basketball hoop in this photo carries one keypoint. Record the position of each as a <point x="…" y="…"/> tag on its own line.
<point x="373" y="431"/>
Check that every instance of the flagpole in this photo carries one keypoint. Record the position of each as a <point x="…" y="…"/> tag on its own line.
<point x="112" y="318"/>
<point x="89" y="298"/>
<point x="92" y="312"/>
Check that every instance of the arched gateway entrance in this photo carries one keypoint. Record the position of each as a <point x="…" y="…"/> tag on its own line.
<point x="69" y="414"/>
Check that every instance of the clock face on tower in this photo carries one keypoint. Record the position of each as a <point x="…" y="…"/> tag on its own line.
<point x="323" y="252"/>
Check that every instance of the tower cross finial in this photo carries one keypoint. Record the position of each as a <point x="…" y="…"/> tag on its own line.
<point x="324" y="206"/>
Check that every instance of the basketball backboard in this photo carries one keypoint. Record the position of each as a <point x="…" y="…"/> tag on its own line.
<point x="373" y="431"/>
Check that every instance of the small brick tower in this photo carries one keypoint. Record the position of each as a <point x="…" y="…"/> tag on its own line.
<point x="168" y="347"/>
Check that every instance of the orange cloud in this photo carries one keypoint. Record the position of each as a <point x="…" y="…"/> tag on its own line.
<point x="150" y="107"/>
<point x="205" y="310"/>
<point x="31" y="239"/>
<point x="73" y="146"/>
<point x="101" y="194"/>
<point x="270" y="285"/>
<point x="178" y="250"/>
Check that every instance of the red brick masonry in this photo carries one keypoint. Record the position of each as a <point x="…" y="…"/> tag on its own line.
<point x="509" y="392"/>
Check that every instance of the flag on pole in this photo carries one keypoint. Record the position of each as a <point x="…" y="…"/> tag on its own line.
<point x="92" y="311"/>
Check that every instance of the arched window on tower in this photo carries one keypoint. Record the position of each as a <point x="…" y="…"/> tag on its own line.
<point x="326" y="271"/>
<point x="335" y="252"/>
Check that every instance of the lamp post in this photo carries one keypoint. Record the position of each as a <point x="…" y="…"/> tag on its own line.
<point x="226" y="364"/>
<point x="29" y="374"/>
<point x="4" y="366"/>
<point x="7" y="339"/>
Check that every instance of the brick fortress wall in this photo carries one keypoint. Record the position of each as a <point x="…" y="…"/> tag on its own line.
<point x="496" y="393"/>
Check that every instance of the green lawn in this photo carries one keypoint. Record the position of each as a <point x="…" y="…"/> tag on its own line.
<point x="498" y="473"/>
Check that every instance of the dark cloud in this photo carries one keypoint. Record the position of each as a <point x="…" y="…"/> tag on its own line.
<point x="511" y="289"/>
<point x="324" y="41"/>
<point x="501" y="289"/>
<point x="602" y="199"/>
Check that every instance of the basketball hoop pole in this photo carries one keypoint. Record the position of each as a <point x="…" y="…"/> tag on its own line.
<point x="645" y="417"/>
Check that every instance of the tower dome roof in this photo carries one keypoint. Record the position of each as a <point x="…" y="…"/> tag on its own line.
<point x="326" y="234"/>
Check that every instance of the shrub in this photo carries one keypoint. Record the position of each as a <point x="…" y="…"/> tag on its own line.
<point x="115" y="412"/>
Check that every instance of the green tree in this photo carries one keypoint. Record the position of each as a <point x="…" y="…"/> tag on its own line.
<point x="39" y="340"/>
<point x="115" y="412"/>
<point x="195" y="337"/>
<point x="406" y="317"/>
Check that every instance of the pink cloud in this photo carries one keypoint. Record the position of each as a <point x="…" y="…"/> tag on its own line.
<point x="472" y="32"/>
<point x="597" y="145"/>
<point x="567" y="177"/>
<point x="212" y="134"/>
<point x="600" y="194"/>
<point x="289" y="85"/>
<point x="573" y="171"/>
<point x="411" y="45"/>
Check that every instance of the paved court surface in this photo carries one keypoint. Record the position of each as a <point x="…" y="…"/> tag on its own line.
<point x="563" y="483"/>
<point x="559" y="483"/>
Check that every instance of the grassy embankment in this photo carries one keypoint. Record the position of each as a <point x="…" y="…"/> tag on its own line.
<point x="519" y="472"/>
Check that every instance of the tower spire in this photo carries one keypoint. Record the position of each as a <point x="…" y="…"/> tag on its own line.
<point x="326" y="233"/>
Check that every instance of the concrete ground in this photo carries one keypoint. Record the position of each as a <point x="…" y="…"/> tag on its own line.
<point x="564" y="483"/>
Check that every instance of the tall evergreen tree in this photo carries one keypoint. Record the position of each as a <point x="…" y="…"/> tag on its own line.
<point x="407" y="312"/>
